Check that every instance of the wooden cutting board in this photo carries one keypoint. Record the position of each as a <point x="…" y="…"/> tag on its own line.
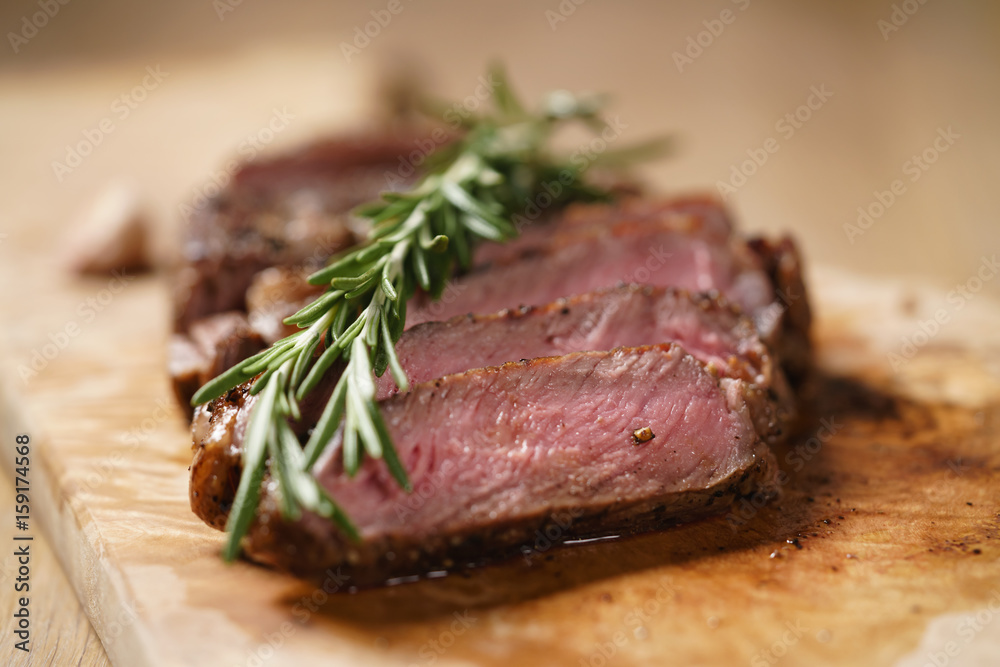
<point x="884" y="548"/>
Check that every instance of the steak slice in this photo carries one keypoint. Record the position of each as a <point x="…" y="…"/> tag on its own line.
<point x="622" y="316"/>
<point x="620" y="441"/>
<point x="626" y="252"/>
<point x="791" y="319"/>
<point x="214" y="344"/>
<point x="286" y="211"/>
<point x="625" y="316"/>
<point x="276" y="294"/>
<point x="700" y="215"/>
<point x="695" y="252"/>
<point x="578" y="254"/>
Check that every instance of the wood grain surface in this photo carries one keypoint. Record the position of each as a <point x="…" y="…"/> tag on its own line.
<point x="62" y="634"/>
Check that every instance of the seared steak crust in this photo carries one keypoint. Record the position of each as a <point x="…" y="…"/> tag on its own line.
<point x="685" y="243"/>
<point x="495" y="452"/>
<point x="707" y="327"/>
<point x="213" y="345"/>
<point x="783" y="263"/>
<point x="712" y="331"/>
<point x="287" y="211"/>
<point x="524" y="414"/>
<point x="216" y="465"/>
<point x="700" y="216"/>
<point x="280" y="292"/>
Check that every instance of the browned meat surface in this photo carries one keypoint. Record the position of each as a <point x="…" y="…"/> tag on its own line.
<point x="276" y="293"/>
<point x="702" y="216"/>
<point x="214" y="344"/>
<point x="287" y="211"/>
<point x="625" y="252"/>
<point x="624" y="440"/>
<point x="529" y="373"/>
<point x="626" y="316"/>
<point x="792" y="318"/>
<point x="215" y="468"/>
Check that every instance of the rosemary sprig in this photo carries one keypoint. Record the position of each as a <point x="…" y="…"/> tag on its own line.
<point x="473" y="191"/>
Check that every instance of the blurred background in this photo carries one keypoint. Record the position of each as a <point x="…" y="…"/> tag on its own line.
<point x="905" y="91"/>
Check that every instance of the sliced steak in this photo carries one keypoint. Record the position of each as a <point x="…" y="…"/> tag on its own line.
<point x="504" y="446"/>
<point x="622" y="441"/>
<point x="275" y="294"/>
<point x="278" y="293"/>
<point x="693" y="251"/>
<point x="625" y="316"/>
<point x="216" y="465"/>
<point x="626" y="252"/>
<point x="214" y="344"/>
<point x="791" y="317"/>
<point x="287" y="211"/>
<point x="702" y="216"/>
